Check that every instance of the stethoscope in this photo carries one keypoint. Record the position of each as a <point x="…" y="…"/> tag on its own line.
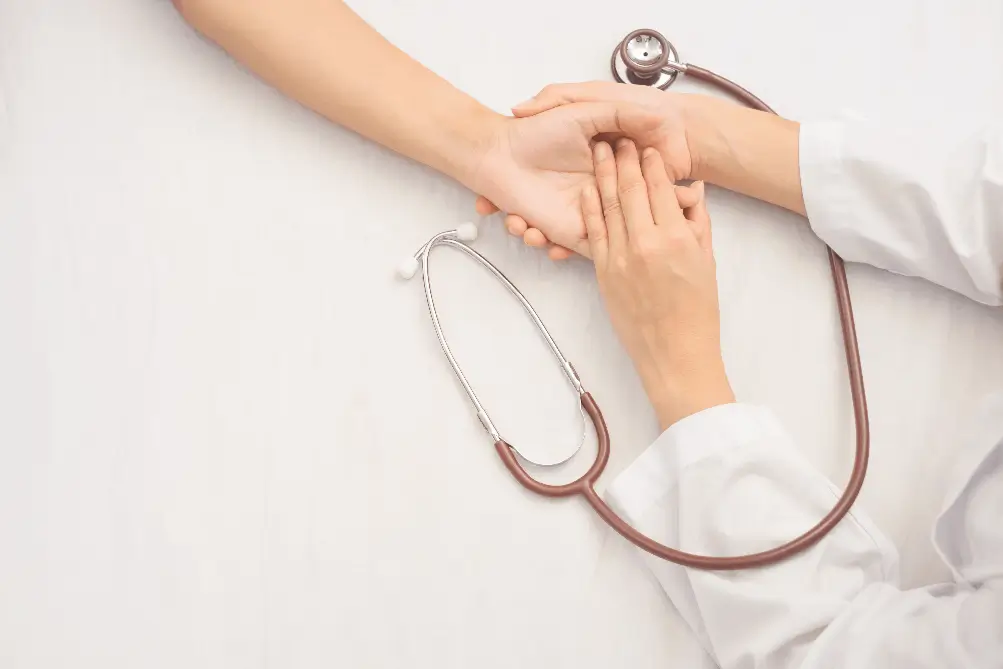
<point x="645" y="57"/>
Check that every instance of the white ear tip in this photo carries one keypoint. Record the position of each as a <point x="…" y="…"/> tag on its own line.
<point x="467" y="232"/>
<point x="408" y="268"/>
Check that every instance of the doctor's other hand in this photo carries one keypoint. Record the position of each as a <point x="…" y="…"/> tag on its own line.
<point x="656" y="272"/>
<point x="536" y="166"/>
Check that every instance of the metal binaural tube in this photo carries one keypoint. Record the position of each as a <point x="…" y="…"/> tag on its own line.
<point x="449" y="238"/>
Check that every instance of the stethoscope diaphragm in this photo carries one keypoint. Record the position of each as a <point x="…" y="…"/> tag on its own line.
<point x="647" y="58"/>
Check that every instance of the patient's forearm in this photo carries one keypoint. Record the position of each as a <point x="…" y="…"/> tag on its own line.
<point x="747" y="151"/>
<point x="323" y="55"/>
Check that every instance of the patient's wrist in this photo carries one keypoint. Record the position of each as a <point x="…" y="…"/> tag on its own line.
<point x="468" y="138"/>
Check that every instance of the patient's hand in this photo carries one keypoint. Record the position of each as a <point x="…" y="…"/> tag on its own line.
<point x="537" y="163"/>
<point x="655" y="266"/>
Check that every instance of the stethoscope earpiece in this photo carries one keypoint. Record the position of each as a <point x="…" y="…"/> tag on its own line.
<point x="646" y="58"/>
<point x="464" y="232"/>
<point x="408" y="268"/>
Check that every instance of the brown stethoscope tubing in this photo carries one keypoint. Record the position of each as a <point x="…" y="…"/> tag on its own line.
<point x="585" y="485"/>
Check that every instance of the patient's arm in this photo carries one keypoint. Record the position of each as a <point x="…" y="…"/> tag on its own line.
<point x="322" y="54"/>
<point x="325" y="56"/>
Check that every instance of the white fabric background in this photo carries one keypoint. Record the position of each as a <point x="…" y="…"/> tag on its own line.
<point x="227" y="435"/>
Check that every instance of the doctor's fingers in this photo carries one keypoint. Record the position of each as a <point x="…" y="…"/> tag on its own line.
<point x="606" y="120"/>
<point x="595" y="225"/>
<point x="606" y="180"/>
<point x="663" y="198"/>
<point x="556" y="95"/>
<point x="633" y="192"/>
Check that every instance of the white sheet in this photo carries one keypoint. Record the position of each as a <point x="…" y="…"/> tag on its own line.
<point x="227" y="435"/>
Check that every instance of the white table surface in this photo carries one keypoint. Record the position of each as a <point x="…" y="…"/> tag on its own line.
<point x="227" y="435"/>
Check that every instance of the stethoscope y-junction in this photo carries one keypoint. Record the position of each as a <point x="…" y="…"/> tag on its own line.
<point x="645" y="57"/>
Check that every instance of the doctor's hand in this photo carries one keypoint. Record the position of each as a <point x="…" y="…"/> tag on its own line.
<point x="656" y="272"/>
<point x="535" y="166"/>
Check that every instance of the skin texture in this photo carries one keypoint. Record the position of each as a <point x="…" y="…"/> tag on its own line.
<point x="655" y="266"/>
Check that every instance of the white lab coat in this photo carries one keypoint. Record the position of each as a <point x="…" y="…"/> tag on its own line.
<point x="730" y="481"/>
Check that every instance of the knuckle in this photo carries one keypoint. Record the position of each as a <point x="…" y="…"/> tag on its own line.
<point x="612" y="208"/>
<point x="620" y="265"/>
<point x="677" y="241"/>
<point x="660" y="186"/>
<point x="647" y="249"/>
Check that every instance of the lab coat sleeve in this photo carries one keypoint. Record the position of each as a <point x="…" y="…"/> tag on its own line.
<point x="918" y="201"/>
<point x="729" y="481"/>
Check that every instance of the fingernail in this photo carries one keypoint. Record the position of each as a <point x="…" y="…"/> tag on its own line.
<point x="602" y="151"/>
<point x="649" y="153"/>
<point x="623" y="143"/>
<point x="524" y="103"/>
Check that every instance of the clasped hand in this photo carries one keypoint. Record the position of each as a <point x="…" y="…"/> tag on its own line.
<point x="650" y="240"/>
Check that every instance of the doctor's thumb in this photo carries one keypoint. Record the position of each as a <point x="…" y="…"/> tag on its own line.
<point x="549" y="97"/>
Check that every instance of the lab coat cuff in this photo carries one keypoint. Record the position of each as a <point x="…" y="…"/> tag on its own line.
<point x="695" y="438"/>
<point x="823" y="176"/>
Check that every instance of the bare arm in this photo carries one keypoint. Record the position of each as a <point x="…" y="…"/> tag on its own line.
<point x="311" y="51"/>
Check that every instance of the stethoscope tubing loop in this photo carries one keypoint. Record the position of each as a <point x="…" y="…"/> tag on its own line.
<point x="448" y="239"/>
<point x="584" y="485"/>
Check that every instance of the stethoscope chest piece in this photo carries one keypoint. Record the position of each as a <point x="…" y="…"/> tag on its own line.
<point x="646" y="58"/>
